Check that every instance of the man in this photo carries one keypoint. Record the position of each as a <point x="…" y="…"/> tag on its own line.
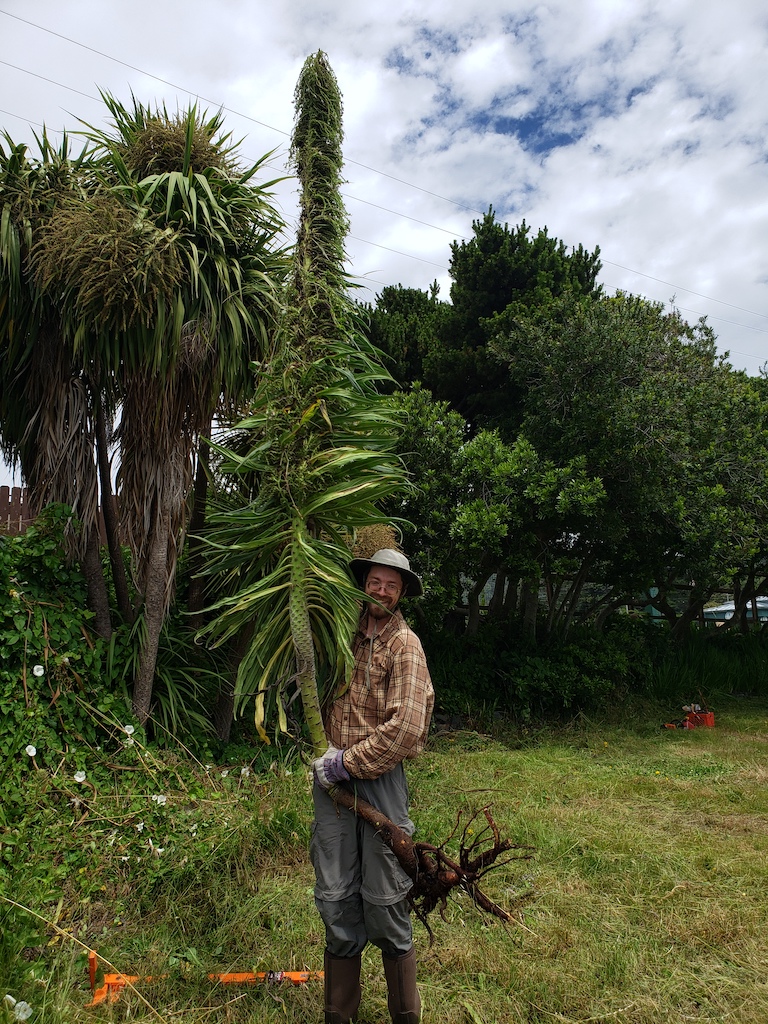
<point x="380" y="719"/>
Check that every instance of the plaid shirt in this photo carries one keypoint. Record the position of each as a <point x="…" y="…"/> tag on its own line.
<point x="384" y="714"/>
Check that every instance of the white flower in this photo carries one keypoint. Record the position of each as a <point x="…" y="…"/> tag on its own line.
<point x="140" y="827"/>
<point x="128" y="730"/>
<point x="21" y="1010"/>
<point x="225" y="773"/>
<point x="30" y="750"/>
<point x="246" y="771"/>
<point x="159" y="799"/>
<point x="38" y="671"/>
<point x="79" y="776"/>
<point x="156" y="850"/>
<point x="128" y="741"/>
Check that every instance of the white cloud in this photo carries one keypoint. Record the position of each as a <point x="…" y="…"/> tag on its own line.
<point x="637" y="126"/>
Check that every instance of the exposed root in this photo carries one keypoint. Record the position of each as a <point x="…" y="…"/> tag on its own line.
<point x="433" y="872"/>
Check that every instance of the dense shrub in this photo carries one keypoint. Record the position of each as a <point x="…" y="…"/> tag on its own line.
<point x="54" y="690"/>
<point x="498" y="671"/>
<point x="712" y="662"/>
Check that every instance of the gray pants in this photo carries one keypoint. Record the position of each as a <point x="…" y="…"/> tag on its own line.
<point x="360" y="889"/>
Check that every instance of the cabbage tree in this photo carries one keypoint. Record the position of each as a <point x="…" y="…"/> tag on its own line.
<point x="168" y="273"/>
<point x="50" y="390"/>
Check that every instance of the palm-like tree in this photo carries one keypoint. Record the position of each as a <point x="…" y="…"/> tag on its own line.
<point x="168" y="273"/>
<point x="46" y="399"/>
<point x="319" y="463"/>
<point x="318" y="456"/>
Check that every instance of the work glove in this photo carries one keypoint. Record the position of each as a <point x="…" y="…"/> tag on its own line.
<point x="329" y="769"/>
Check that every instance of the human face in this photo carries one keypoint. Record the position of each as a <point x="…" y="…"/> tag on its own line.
<point x="386" y="586"/>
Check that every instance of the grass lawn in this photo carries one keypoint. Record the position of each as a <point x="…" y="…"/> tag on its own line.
<point x="645" y="900"/>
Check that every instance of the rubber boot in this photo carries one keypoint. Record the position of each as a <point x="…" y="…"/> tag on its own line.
<point x="341" y="988"/>
<point x="403" y="997"/>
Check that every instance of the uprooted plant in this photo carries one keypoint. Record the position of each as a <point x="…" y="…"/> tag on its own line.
<point x="311" y="464"/>
<point x="434" y="874"/>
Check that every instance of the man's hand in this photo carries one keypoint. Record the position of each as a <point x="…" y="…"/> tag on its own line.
<point x="329" y="769"/>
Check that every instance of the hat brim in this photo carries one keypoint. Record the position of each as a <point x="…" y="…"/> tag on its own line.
<point x="360" y="567"/>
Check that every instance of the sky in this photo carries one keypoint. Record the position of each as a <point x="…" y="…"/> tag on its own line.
<point x="636" y="126"/>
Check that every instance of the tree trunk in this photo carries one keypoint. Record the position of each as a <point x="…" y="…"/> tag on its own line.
<point x="568" y="606"/>
<point x="224" y="709"/>
<point x="155" y="589"/>
<point x="98" y="598"/>
<point x="496" y="604"/>
<point x="196" y="525"/>
<point x="553" y="590"/>
<point x="602" y="616"/>
<point x="509" y="605"/>
<point x="111" y="519"/>
<point x="684" y="620"/>
<point x="530" y="599"/>
<point x="744" y="598"/>
<point x="473" y="600"/>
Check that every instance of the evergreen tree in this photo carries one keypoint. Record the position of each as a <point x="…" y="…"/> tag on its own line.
<point x="497" y="275"/>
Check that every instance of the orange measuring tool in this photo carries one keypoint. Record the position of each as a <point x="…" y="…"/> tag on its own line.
<point x="115" y="983"/>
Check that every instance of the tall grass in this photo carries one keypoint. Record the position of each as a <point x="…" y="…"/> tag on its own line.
<point x="644" y="902"/>
<point x="712" y="663"/>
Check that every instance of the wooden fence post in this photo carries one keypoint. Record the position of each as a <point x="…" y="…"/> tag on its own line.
<point x="15" y="515"/>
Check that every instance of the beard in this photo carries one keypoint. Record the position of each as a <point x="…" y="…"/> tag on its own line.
<point x="380" y="611"/>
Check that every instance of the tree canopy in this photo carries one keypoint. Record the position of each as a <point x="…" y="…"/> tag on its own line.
<point x="636" y="464"/>
<point x="497" y="274"/>
<point x="568" y="452"/>
<point x="143" y="275"/>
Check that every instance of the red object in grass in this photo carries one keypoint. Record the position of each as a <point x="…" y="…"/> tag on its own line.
<point x="701" y="718"/>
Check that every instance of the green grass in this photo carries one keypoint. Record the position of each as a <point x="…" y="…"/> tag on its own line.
<point x="644" y="902"/>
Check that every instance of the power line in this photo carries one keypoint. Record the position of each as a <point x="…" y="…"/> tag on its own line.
<point x="722" y="320"/>
<point x="139" y="71"/>
<point x="426" y="191"/>
<point x="147" y="74"/>
<point x="407" y="216"/>
<point x="51" y="81"/>
<point x="397" y="252"/>
<point x="132" y="67"/>
<point x="688" y="290"/>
